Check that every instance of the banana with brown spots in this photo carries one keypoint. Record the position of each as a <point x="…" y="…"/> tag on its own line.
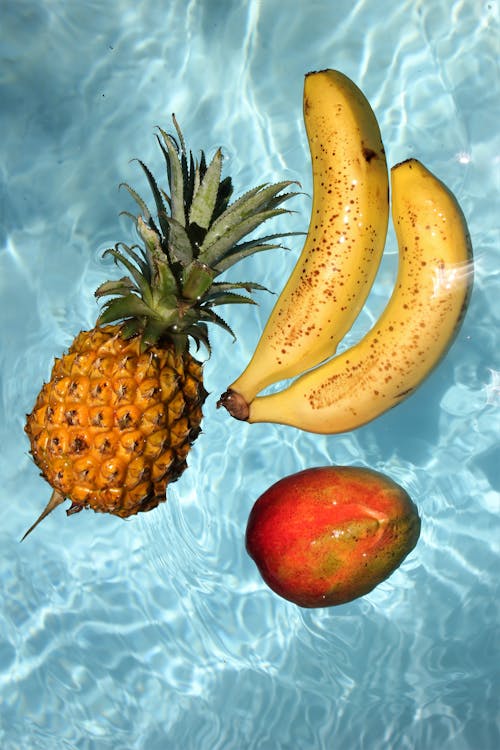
<point x="345" y="241"/>
<point x="413" y="333"/>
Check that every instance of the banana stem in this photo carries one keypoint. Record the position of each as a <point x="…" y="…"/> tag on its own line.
<point x="235" y="404"/>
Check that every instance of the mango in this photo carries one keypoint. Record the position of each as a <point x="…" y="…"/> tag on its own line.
<point x="327" y="535"/>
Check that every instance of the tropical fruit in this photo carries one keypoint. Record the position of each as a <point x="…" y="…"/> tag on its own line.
<point x="328" y="535"/>
<point x="335" y="271"/>
<point x="413" y="333"/>
<point x="114" y="424"/>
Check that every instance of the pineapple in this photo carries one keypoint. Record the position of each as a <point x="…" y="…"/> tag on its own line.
<point x="113" y="426"/>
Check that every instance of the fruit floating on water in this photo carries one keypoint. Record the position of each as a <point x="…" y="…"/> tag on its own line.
<point x="417" y="327"/>
<point x="344" y="244"/>
<point x="328" y="535"/>
<point x="114" y="424"/>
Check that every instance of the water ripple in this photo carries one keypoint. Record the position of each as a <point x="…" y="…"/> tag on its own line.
<point x="159" y="631"/>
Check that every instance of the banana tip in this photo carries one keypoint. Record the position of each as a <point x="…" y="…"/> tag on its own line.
<point x="235" y="404"/>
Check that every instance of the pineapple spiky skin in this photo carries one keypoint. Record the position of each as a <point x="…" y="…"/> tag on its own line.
<point x="113" y="426"/>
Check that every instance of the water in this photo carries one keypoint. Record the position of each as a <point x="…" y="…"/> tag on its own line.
<point x="158" y="632"/>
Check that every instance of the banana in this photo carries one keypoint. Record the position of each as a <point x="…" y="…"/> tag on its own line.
<point x="418" y="325"/>
<point x="345" y="241"/>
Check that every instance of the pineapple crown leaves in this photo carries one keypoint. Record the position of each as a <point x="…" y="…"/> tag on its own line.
<point x="196" y="234"/>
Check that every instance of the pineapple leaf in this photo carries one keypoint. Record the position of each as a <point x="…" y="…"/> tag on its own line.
<point x="205" y="198"/>
<point x="186" y="192"/>
<point x="227" y="298"/>
<point x="160" y="206"/>
<point x="166" y="198"/>
<point x="179" y="133"/>
<point x="196" y="233"/>
<point x="245" y="249"/>
<point x="138" y="277"/>
<point x="179" y="340"/>
<point x="187" y="169"/>
<point x="151" y="237"/>
<point x="202" y="165"/>
<point x="175" y="177"/>
<point x="211" y="252"/>
<point x="189" y="187"/>
<point x="179" y="244"/>
<point x="163" y="272"/>
<point x="166" y="286"/>
<point x="130" y="250"/>
<point x="252" y="203"/>
<point x="129" y="214"/>
<point x="236" y="255"/>
<point x="121" y="308"/>
<point x="158" y="266"/>
<point x="223" y="197"/>
<point x="206" y="314"/>
<point x="142" y="205"/>
<point x="197" y="278"/>
<point x="120" y="287"/>
<point x="195" y="171"/>
<point x="248" y="286"/>
<point x="153" y="331"/>
<point x="233" y="214"/>
<point x="141" y="260"/>
<point x="167" y="165"/>
<point x="258" y="241"/>
<point x="132" y="327"/>
<point x="199" y="333"/>
<point x="278" y="199"/>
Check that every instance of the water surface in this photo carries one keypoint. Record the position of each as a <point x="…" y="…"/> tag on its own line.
<point x="158" y="632"/>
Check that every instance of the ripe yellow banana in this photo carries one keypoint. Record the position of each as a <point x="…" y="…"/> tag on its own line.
<point x="413" y="333"/>
<point x="345" y="240"/>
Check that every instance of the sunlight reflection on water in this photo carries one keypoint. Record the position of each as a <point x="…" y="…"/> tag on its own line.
<point x="159" y="631"/>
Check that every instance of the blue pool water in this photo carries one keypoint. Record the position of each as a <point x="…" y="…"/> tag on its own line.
<point x="158" y="633"/>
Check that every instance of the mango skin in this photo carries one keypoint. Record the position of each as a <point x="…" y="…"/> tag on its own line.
<point x="328" y="535"/>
